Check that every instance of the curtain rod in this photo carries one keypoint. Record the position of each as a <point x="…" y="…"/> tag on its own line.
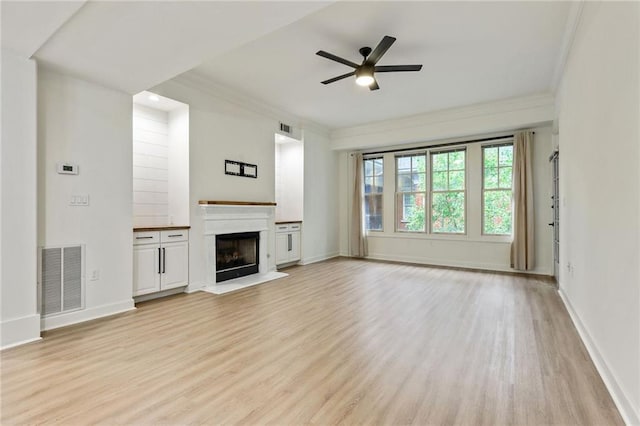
<point x="442" y="145"/>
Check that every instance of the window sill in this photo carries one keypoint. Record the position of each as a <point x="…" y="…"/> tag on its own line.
<point x="433" y="237"/>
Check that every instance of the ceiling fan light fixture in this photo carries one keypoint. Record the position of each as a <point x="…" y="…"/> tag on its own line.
<point x="364" y="76"/>
<point x="364" y="80"/>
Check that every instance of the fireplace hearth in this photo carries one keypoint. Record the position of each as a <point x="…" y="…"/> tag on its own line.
<point x="237" y="255"/>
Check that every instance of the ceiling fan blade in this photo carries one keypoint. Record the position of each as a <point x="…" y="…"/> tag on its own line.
<point x="374" y="85"/>
<point x="380" y="49"/>
<point x="394" y="68"/>
<point x="336" y="58"/>
<point x="340" y="77"/>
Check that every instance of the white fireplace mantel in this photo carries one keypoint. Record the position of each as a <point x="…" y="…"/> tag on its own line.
<point x="238" y="217"/>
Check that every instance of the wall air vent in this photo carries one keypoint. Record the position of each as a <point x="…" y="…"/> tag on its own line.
<point x="61" y="279"/>
<point x="285" y="128"/>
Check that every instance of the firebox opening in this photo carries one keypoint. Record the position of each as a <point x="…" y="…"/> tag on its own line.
<point x="237" y="255"/>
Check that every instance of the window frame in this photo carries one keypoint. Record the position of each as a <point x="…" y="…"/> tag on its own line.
<point x="380" y="194"/>
<point x="462" y="148"/>
<point x="483" y="189"/>
<point x="397" y="193"/>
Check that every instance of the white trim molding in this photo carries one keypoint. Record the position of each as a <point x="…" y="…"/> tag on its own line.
<point x="485" y="118"/>
<point x="316" y="259"/>
<point x="622" y="402"/>
<point x="88" y="314"/>
<point x="571" y="26"/>
<point x="18" y="331"/>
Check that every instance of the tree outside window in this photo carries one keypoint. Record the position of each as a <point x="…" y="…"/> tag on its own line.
<point x="497" y="181"/>
<point x="448" y="192"/>
<point x="410" y="192"/>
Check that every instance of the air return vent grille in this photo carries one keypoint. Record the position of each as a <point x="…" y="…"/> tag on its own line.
<point x="61" y="279"/>
<point x="285" y="128"/>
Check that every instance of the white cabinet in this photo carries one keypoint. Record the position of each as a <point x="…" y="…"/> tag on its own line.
<point x="287" y="242"/>
<point x="160" y="260"/>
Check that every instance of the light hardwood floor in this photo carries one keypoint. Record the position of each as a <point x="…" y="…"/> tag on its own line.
<point x="342" y="341"/>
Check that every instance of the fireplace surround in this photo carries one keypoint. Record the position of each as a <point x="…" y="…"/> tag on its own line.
<point x="227" y="217"/>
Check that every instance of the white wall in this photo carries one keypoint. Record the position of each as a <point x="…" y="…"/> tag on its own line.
<point x="150" y="166"/>
<point x="472" y="250"/>
<point x="227" y="130"/>
<point x="18" y="206"/>
<point x="599" y="139"/>
<point x="321" y="225"/>
<point x="289" y="181"/>
<point x="178" y="189"/>
<point x="89" y="125"/>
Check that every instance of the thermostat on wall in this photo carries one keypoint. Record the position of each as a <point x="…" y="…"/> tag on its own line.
<point x="67" y="168"/>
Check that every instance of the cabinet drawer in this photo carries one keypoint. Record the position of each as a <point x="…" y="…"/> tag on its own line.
<point x="149" y="237"/>
<point x="174" y="236"/>
<point x="288" y="227"/>
<point x="282" y="227"/>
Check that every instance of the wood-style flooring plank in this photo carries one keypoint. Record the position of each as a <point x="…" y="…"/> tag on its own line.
<point x="338" y="342"/>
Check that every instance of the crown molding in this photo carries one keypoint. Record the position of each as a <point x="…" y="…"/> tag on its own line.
<point x="571" y="27"/>
<point x="198" y="81"/>
<point x="531" y="110"/>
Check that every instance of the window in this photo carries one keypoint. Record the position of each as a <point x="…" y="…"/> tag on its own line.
<point x="410" y="192"/>
<point x="448" y="192"/>
<point x="373" y="188"/>
<point x="497" y="162"/>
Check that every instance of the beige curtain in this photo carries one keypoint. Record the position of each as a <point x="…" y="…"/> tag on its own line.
<point x="522" y="247"/>
<point x="358" y="240"/>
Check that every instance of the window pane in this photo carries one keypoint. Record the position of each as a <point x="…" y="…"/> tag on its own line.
<point x="419" y="163"/>
<point x="418" y="182"/>
<point x="491" y="157"/>
<point x="377" y="170"/>
<point x="497" y="212"/>
<point x="378" y="183"/>
<point x="506" y="155"/>
<point x="491" y="178"/>
<point x="368" y="185"/>
<point x="456" y="180"/>
<point x="447" y="212"/>
<point x="456" y="160"/>
<point x="368" y="167"/>
<point x="439" y="181"/>
<point x="440" y="162"/>
<point x="403" y="164"/>
<point x="505" y="177"/>
<point x="410" y="212"/>
<point x="404" y="182"/>
<point x="373" y="212"/>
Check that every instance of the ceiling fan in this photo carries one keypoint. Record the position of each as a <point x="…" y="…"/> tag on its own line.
<point x="365" y="71"/>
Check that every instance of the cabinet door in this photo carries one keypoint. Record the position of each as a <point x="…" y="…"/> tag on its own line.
<point x="175" y="265"/>
<point x="282" y="248"/>
<point x="146" y="264"/>
<point x="294" y="253"/>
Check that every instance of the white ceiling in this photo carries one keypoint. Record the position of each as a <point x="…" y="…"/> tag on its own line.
<point x="472" y="52"/>
<point x="134" y="45"/>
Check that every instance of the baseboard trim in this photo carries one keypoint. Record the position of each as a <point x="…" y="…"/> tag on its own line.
<point x="194" y="287"/>
<point x="89" y="314"/>
<point x="316" y="259"/>
<point x="19" y="331"/>
<point x="624" y="405"/>
<point x="490" y="267"/>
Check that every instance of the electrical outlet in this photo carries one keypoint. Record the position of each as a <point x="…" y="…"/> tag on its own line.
<point x="79" y="200"/>
<point x="95" y="275"/>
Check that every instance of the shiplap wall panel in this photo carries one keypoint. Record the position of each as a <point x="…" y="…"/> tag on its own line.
<point x="150" y="166"/>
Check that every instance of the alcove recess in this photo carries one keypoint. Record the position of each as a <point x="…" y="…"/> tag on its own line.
<point x="289" y="178"/>
<point x="160" y="161"/>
